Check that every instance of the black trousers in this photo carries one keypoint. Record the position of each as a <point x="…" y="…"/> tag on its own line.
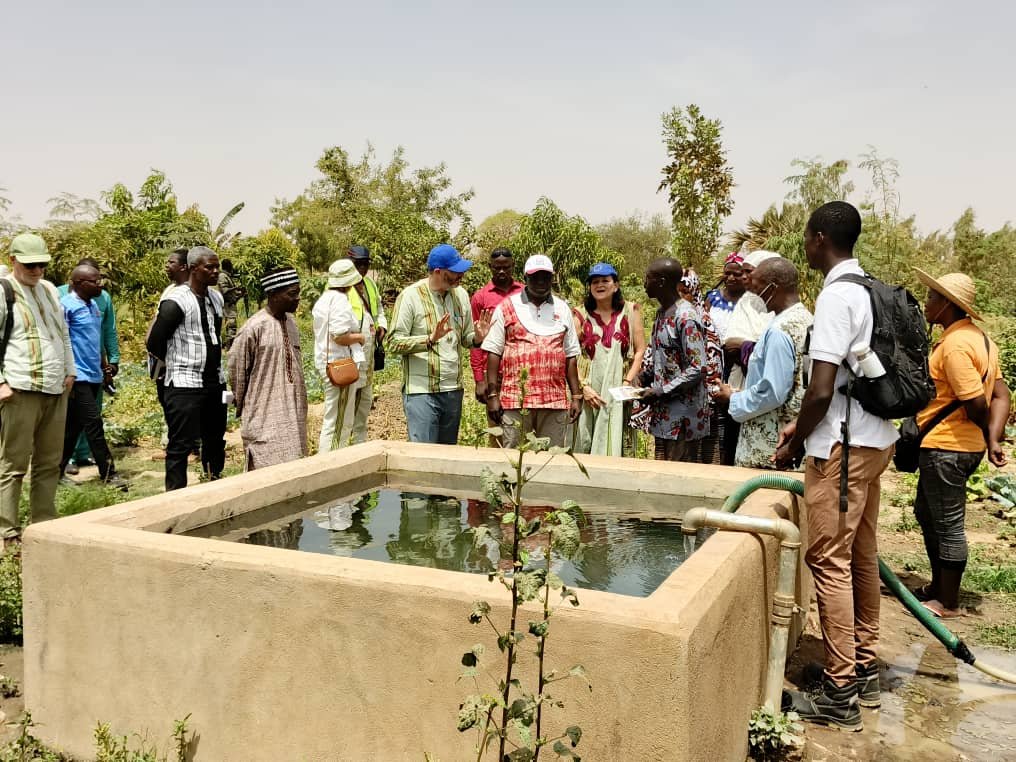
<point x="194" y="414"/>
<point x="83" y="414"/>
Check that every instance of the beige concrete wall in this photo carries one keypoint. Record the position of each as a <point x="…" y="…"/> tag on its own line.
<point x="279" y="655"/>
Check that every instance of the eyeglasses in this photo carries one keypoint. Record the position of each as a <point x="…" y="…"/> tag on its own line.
<point x="34" y="265"/>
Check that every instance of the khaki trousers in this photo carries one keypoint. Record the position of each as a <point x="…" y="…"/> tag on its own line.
<point x="843" y="556"/>
<point x="31" y="434"/>
<point x="543" y="422"/>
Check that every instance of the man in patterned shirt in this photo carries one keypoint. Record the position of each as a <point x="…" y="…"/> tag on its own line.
<point x="431" y="322"/>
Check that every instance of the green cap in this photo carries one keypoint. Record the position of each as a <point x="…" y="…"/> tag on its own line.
<point x="29" y="249"/>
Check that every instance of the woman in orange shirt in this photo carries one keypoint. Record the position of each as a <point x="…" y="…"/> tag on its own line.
<point x="975" y="402"/>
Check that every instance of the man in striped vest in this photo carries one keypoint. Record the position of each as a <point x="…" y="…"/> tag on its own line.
<point x="365" y="301"/>
<point x="36" y="373"/>
<point x="187" y="337"/>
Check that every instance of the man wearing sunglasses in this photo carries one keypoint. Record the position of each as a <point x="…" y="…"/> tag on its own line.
<point x="36" y="371"/>
<point x="111" y="364"/>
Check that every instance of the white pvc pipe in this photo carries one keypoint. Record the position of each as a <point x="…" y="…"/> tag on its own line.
<point x="783" y="599"/>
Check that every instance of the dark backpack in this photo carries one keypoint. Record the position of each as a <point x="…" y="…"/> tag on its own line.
<point x="899" y="338"/>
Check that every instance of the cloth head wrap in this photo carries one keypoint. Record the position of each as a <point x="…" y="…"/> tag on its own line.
<point x="734" y="258"/>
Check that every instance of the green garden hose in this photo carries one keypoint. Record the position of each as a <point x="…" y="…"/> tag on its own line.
<point x="933" y="624"/>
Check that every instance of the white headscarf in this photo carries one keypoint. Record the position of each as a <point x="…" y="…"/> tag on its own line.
<point x="759" y="256"/>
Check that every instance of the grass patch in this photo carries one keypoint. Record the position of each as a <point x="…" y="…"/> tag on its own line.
<point x="990" y="578"/>
<point x="1000" y="635"/>
<point x="11" y="627"/>
<point x="910" y="562"/>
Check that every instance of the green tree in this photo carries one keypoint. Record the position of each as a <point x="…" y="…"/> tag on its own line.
<point x="638" y="238"/>
<point x="400" y="214"/>
<point x="698" y="182"/>
<point x="67" y="207"/>
<point x="255" y="256"/>
<point x="498" y="229"/>
<point x="819" y="183"/>
<point x="571" y="243"/>
<point x="968" y="243"/>
<point x="781" y="229"/>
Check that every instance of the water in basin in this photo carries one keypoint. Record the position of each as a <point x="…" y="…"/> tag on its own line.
<point x="629" y="549"/>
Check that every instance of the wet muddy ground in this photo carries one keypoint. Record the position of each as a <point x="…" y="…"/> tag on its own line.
<point x="934" y="707"/>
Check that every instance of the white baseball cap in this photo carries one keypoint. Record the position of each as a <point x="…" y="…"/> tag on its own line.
<point x="538" y="263"/>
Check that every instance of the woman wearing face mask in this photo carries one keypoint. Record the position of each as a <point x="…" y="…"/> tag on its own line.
<point x="691" y="291"/>
<point x="613" y="342"/>
<point x="775" y="386"/>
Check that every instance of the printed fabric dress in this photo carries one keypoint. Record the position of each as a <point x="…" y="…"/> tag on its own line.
<point x="756" y="443"/>
<point x="679" y="368"/>
<point x="606" y="356"/>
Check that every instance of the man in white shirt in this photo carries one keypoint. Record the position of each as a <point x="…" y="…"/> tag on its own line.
<point x="532" y="332"/>
<point x="842" y="546"/>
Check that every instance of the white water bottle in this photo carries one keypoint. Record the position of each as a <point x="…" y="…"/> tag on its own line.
<point x="870" y="365"/>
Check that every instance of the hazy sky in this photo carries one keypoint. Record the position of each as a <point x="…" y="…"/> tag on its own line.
<point x="235" y="101"/>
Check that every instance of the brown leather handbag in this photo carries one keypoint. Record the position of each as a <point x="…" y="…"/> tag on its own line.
<point x="342" y="372"/>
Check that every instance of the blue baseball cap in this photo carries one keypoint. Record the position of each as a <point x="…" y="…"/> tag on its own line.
<point x="601" y="269"/>
<point x="359" y="252"/>
<point x="446" y="257"/>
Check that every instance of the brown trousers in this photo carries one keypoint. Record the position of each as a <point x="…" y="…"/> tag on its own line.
<point x="843" y="556"/>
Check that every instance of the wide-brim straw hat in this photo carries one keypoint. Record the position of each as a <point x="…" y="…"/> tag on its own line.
<point x="958" y="288"/>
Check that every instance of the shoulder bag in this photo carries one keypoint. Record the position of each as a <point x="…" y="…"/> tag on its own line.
<point x="343" y="371"/>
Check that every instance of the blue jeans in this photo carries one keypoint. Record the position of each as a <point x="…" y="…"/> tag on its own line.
<point x="433" y="418"/>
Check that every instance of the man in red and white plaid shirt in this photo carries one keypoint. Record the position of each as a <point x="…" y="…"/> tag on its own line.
<point x="533" y="331"/>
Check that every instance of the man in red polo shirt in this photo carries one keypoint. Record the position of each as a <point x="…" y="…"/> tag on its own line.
<point x="502" y="285"/>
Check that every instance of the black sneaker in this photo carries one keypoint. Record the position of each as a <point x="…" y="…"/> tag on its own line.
<point x="828" y="705"/>
<point x="869" y="694"/>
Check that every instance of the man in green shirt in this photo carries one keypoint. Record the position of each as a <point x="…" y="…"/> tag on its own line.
<point x="111" y="349"/>
<point x="431" y="323"/>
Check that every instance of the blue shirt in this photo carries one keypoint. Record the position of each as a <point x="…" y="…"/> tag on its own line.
<point x="84" y="322"/>
<point x="110" y="342"/>
<point x="770" y="376"/>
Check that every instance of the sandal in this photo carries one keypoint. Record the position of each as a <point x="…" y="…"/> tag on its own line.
<point x="941" y="612"/>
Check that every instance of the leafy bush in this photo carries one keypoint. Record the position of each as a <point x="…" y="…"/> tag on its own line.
<point x="133" y="413"/>
<point x="112" y="748"/>
<point x="773" y="735"/>
<point x="10" y="595"/>
<point x="26" y="747"/>
<point x="1002" y="331"/>
<point x="86" y="496"/>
